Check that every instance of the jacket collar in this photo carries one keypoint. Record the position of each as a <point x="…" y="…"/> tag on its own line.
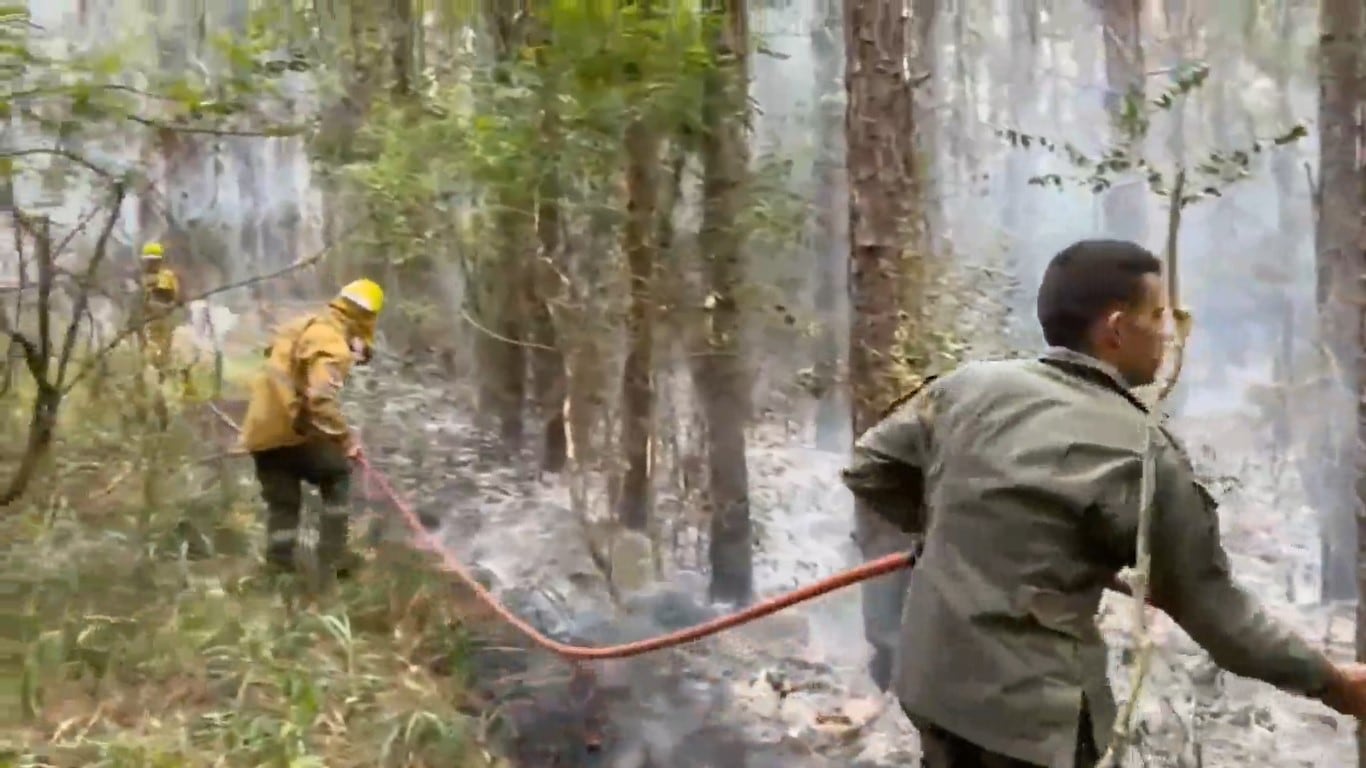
<point x="1065" y="355"/>
<point x="1087" y="367"/>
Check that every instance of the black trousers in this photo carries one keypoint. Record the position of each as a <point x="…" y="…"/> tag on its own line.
<point x="282" y="473"/>
<point x="942" y="749"/>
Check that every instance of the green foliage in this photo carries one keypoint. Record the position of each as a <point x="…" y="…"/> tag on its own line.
<point x="96" y="95"/>
<point x="455" y="176"/>
<point x="1204" y="179"/>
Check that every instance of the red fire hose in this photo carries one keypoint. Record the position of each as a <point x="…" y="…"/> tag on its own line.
<point x="427" y="542"/>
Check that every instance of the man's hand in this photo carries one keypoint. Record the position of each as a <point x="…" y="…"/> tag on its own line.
<point x="1121" y="586"/>
<point x="1346" y="690"/>
<point x="353" y="451"/>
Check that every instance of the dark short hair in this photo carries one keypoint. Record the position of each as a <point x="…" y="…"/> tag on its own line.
<point x="1085" y="281"/>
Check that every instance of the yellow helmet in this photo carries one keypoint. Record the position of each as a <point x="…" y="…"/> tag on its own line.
<point x="152" y="251"/>
<point x="365" y="294"/>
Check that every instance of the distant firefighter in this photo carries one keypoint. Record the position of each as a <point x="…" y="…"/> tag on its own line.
<point x="160" y="298"/>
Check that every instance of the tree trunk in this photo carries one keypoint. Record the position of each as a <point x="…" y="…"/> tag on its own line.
<point x="1339" y="261"/>
<point x="38" y="355"/>
<point x="550" y="378"/>
<point x="883" y="219"/>
<point x="1020" y="91"/>
<point x="960" y="145"/>
<point x="637" y="387"/>
<point x="880" y="135"/>
<point x="924" y="65"/>
<point x="1287" y="170"/>
<point x="1126" y="203"/>
<point x="721" y="378"/>
<point x="403" y="47"/>
<point x="505" y="356"/>
<point x="829" y="234"/>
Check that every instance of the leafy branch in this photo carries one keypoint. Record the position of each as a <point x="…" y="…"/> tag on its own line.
<point x="1204" y="179"/>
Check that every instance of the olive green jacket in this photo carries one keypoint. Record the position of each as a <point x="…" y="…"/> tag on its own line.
<point x="1025" y="478"/>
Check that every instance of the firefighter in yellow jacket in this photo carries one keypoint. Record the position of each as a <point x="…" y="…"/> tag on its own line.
<point x="294" y="427"/>
<point x="160" y="296"/>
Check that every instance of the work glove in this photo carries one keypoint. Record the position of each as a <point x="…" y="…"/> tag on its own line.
<point x="1346" y="690"/>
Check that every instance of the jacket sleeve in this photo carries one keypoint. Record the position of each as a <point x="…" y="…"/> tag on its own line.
<point x="1191" y="580"/>
<point x="326" y="362"/>
<point x="886" y="472"/>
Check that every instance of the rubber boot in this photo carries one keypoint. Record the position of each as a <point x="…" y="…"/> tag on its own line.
<point x="280" y="548"/>
<point x="334" y="550"/>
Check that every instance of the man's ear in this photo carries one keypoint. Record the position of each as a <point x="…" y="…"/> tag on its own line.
<point x="1112" y="323"/>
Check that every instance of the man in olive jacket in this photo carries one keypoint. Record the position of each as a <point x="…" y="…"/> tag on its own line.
<point x="1026" y="478"/>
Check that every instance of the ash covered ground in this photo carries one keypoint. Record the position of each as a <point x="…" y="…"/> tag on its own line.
<point x="783" y="691"/>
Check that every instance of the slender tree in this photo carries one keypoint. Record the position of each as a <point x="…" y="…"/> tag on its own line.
<point x="1126" y="204"/>
<point x="885" y="249"/>
<point x="722" y="380"/>
<point x="643" y="143"/>
<point x="1339" y="259"/>
<point x="829" y="224"/>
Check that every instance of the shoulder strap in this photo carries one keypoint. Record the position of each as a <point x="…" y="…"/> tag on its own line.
<point x="907" y="397"/>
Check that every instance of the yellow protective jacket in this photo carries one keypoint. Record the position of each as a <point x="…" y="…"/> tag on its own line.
<point x="160" y="294"/>
<point x="295" y="399"/>
<point x="160" y="289"/>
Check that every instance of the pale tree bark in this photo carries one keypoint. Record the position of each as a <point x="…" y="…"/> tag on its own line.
<point x="1286" y="169"/>
<point x="549" y="375"/>
<point x="923" y="59"/>
<point x="1022" y="95"/>
<point x="829" y="231"/>
<point x="1337" y="238"/>
<point x="1126" y="203"/>
<point x="885" y="256"/>
<point x="720" y="376"/>
<point x="1227" y="118"/>
<point x="959" y="144"/>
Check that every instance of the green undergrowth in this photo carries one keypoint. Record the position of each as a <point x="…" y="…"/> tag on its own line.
<point x="138" y="629"/>
<point x="134" y="655"/>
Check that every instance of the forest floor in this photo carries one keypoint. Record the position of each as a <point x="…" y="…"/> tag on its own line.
<point x="400" y="668"/>
<point x="782" y="691"/>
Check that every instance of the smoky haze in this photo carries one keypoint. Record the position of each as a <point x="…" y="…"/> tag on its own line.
<point x="251" y="205"/>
